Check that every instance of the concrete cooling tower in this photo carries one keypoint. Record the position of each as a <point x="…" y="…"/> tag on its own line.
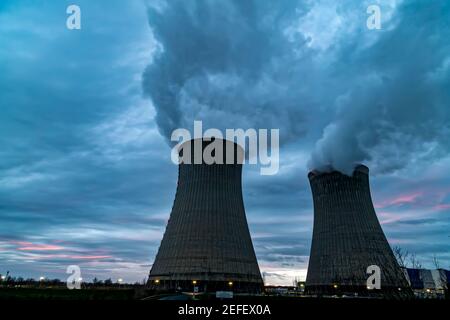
<point x="347" y="238"/>
<point x="207" y="242"/>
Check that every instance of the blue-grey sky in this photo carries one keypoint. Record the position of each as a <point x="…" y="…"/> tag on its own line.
<point x="85" y="118"/>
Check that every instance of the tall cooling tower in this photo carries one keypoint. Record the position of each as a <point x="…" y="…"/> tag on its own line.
<point x="347" y="238"/>
<point x="207" y="242"/>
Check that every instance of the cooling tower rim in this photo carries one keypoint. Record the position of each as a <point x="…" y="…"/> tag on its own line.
<point x="316" y="173"/>
<point x="210" y="139"/>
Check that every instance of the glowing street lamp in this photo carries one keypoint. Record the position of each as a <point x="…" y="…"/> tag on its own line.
<point x="230" y="283"/>
<point x="41" y="278"/>
<point x="194" y="281"/>
<point x="120" y="280"/>
<point x="157" y="281"/>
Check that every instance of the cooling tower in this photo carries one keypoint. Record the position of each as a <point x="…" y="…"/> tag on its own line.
<point x="347" y="238"/>
<point x="207" y="242"/>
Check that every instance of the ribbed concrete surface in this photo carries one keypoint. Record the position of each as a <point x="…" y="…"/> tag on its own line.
<point x="207" y="237"/>
<point x="347" y="236"/>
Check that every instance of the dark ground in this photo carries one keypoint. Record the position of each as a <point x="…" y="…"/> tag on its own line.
<point x="127" y="302"/>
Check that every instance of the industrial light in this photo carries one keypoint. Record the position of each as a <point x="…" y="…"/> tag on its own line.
<point x="335" y="286"/>
<point x="230" y="283"/>
<point x="428" y="290"/>
<point x="194" y="281"/>
<point x="157" y="281"/>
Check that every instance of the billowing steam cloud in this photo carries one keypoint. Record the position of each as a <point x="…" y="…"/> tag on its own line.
<point x="396" y="109"/>
<point x="231" y="64"/>
<point x="312" y="69"/>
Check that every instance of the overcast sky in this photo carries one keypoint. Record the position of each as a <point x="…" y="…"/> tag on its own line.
<point x="86" y="115"/>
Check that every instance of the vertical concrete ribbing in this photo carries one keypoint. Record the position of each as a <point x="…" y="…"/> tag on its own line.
<point x="207" y="237"/>
<point x="347" y="236"/>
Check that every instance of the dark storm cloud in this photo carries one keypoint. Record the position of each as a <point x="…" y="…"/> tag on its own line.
<point x="395" y="108"/>
<point x="78" y="141"/>
<point x="246" y="64"/>
<point x="229" y="64"/>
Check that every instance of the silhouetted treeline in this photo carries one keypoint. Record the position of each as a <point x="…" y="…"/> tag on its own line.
<point x="10" y="281"/>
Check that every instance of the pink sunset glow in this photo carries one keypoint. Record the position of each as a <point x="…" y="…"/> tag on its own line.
<point x="441" y="207"/>
<point x="26" y="246"/>
<point x="73" y="257"/>
<point x="29" y="246"/>
<point x="40" y="247"/>
<point x="399" y="200"/>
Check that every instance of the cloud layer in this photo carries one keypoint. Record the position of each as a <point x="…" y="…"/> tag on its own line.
<point x="85" y="170"/>
<point x="294" y="65"/>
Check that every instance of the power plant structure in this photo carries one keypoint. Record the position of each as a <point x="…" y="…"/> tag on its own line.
<point x="347" y="239"/>
<point x="207" y="244"/>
